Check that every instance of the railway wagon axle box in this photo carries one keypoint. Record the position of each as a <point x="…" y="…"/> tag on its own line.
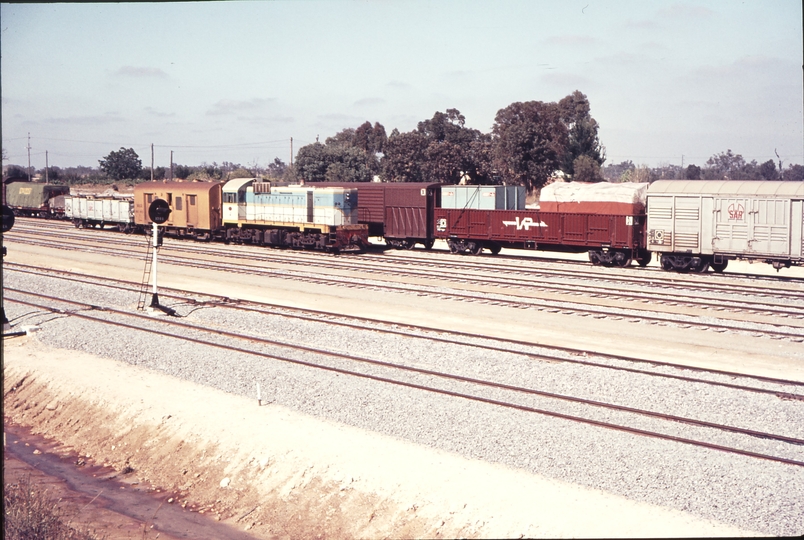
<point x="195" y="206"/>
<point x="694" y="224"/>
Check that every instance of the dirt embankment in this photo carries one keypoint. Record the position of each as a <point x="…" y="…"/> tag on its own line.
<point x="277" y="473"/>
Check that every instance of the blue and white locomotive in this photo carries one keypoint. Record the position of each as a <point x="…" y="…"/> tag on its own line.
<point x="296" y="216"/>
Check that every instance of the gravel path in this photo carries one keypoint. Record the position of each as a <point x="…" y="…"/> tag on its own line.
<point x="746" y="492"/>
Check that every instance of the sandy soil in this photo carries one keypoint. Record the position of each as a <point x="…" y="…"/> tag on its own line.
<point x="278" y="473"/>
<point x="300" y="476"/>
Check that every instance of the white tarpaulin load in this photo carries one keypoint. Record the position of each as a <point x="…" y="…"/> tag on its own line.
<point x="598" y="198"/>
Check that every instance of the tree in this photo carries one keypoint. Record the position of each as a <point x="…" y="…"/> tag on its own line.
<point x="582" y="139"/>
<point x="182" y="171"/>
<point x="124" y="164"/>
<point x="794" y="173"/>
<point x="768" y="170"/>
<point x="15" y="173"/>
<point x="586" y="169"/>
<point x="277" y="168"/>
<point x="529" y="141"/>
<point x="440" y="149"/>
<point x="404" y="157"/>
<point x="693" y="172"/>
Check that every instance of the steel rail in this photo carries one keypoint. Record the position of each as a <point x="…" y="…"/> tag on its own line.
<point x="323" y="316"/>
<point x="377" y="378"/>
<point x="490" y="267"/>
<point x="518" y="303"/>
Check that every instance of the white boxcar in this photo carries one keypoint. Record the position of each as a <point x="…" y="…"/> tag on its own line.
<point x="91" y="211"/>
<point x="695" y="224"/>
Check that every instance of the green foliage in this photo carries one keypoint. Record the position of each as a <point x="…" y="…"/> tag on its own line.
<point x="586" y="169"/>
<point x="529" y="141"/>
<point x="15" y="173"/>
<point x="348" y="156"/>
<point x="768" y="170"/>
<point x="277" y="169"/>
<point x="794" y="173"/>
<point x="404" y="157"/>
<point x="693" y="172"/>
<point x="124" y="164"/>
<point x="582" y="129"/>
<point x="240" y="173"/>
<point x="441" y="149"/>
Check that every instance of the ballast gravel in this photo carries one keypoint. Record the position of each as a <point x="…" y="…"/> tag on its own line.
<point x="747" y="492"/>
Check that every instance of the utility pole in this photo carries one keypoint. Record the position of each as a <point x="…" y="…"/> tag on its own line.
<point x="152" y="162"/>
<point x="29" y="156"/>
<point x="46" y="168"/>
<point x="291" y="151"/>
<point x="171" y="165"/>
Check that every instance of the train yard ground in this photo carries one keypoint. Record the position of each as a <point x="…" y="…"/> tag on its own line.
<point x="364" y="451"/>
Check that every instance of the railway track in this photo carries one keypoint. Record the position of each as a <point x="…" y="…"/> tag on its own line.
<point x="759" y="318"/>
<point x="487" y="343"/>
<point x="496" y="393"/>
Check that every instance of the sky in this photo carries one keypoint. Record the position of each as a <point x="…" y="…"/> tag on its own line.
<point x="668" y="82"/>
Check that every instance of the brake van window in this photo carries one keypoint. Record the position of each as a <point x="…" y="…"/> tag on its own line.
<point x="178" y="203"/>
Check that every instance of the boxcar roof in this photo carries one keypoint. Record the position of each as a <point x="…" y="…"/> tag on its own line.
<point x="235" y="185"/>
<point x="186" y="187"/>
<point x="772" y="188"/>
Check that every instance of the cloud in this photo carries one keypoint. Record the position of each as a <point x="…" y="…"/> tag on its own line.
<point x="153" y="112"/>
<point x="571" y="40"/>
<point x="369" y="101"/>
<point x="266" y="120"/>
<point x="565" y="80"/>
<point x="141" y="72"/>
<point x="641" y="25"/>
<point x="231" y="106"/>
<point x="399" y="85"/>
<point x="88" y="120"/>
<point x="685" y="11"/>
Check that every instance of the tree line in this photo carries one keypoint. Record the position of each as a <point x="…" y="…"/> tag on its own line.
<point x="529" y="143"/>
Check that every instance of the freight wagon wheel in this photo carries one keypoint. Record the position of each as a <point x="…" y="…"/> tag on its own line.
<point x="621" y="259"/>
<point x="475" y="248"/>
<point x="643" y="258"/>
<point x="701" y="267"/>
<point x="453" y="247"/>
<point x="594" y="258"/>
<point x="719" y="267"/>
<point x="495" y="249"/>
<point x="428" y="244"/>
<point x="408" y="244"/>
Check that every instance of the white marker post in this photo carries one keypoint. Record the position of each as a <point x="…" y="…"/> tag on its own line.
<point x="154" y="241"/>
<point x="158" y="212"/>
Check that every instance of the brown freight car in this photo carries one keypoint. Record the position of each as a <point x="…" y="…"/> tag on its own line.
<point x="608" y="222"/>
<point x="400" y="212"/>
<point x="195" y="207"/>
